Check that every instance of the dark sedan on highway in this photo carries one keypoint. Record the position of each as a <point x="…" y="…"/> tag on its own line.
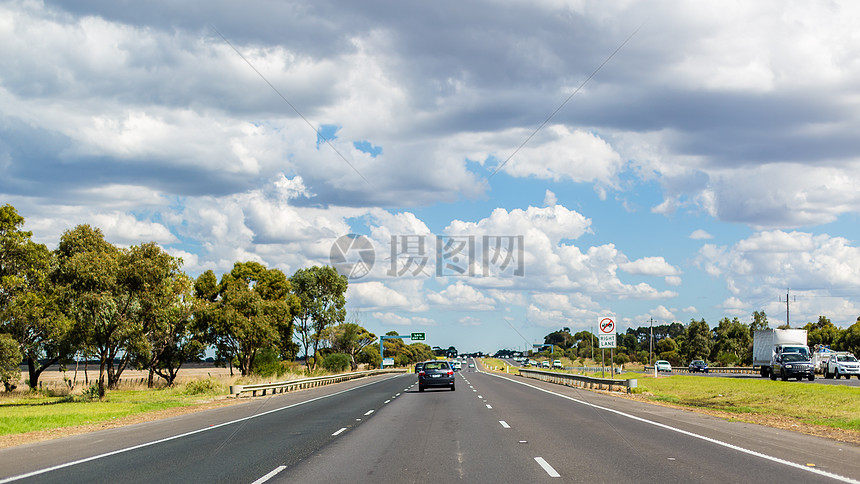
<point x="437" y="374"/>
<point x="698" y="365"/>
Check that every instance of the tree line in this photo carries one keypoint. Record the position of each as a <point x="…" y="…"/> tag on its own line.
<point x="135" y="308"/>
<point x="729" y="343"/>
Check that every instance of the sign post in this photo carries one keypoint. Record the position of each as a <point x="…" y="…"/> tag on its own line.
<point x="606" y="326"/>
<point x="413" y="336"/>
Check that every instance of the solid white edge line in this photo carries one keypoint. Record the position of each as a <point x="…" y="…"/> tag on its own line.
<point x="342" y="430"/>
<point x="504" y="424"/>
<point x="269" y="475"/>
<point x="771" y="458"/>
<point x="548" y="468"/>
<point x="174" y="437"/>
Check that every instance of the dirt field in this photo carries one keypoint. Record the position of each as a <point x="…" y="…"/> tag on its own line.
<point x="55" y="377"/>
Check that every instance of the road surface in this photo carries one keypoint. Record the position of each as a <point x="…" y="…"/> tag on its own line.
<point x="493" y="428"/>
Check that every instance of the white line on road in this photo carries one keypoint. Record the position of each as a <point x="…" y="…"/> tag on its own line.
<point x="548" y="468"/>
<point x="689" y="434"/>
<point x="342" y="430"/>
<point x="387" y="401"/>
<point x="489" y="406"/>
<point x="270" y="475"/>
<point x="504" y="424"/>
<point x="368" y="413"/>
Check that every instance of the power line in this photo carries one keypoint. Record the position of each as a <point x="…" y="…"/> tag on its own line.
<point x="547" y="120"/>
<point x="317" y="131"/>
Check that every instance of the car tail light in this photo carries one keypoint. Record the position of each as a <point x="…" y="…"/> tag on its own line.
<point x="450" y="372"/>
<point x="421" y="373"/>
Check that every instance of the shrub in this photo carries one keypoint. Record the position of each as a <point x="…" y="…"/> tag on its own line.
<point x="91" y="394"/>
<point x="267" y="363"/>
<point x="336" y="362"/>
<point x="198" y="387"/>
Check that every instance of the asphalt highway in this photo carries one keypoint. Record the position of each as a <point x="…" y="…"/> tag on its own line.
<point x="493" y="428"/>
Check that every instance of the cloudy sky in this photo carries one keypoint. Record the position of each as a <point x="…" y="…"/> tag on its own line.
<point x="513" y="167"/>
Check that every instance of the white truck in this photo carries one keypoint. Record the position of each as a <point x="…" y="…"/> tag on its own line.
<point x="768" y="343"/>
<point x="842" y="363"/>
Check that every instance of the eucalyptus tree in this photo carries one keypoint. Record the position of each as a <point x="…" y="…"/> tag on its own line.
<point x="88" y="275"/>
<point x="28" y="306"/>
<point x="165" y="305"/>
<point x="250" y="309"/>
<point x="348" y="338"/>
<point x="732" y="342"/>
<point x="321" y="292"/>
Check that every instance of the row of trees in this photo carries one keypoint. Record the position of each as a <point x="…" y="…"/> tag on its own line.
<point x="728" y="343"/>
<point x="134" y="307"/>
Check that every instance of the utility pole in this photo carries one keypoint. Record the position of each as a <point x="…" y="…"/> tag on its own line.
<point x="787" y="322"/>
<point x="651" y="341"/>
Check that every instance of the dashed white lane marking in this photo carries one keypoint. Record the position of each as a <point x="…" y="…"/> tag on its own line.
<point x="489" y="406"/>
<point x="387" y="401"/>
<point x="396" y="394"/>
<point x="270" y="475"/>
<point x="479" y="396"/>
<point x="548" y="468"/>
<point x="342" y="430"/>
<point x="504" y="424"/>
<point x="368" y="413"/>
<point x="691" y="434"/>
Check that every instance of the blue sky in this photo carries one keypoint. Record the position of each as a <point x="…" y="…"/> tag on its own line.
<point x="708" y="166"/>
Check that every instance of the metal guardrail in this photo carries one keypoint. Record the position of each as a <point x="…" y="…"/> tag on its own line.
<point x="712" y="369"/>
<point x="300" y="384"/>
<point x="581" y="381"/>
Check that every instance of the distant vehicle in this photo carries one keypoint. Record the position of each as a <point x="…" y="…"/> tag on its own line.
<point x="456" y="366"/>
<point x="792" y="365"/>
<point x="418" y="367"/>
<point x="471" y="365"/>
<point x="557" y="364"/>
<point x="840" y="365"/>
<point x="769" y="343"/>
<point x="663" y="365"/>
<point x="436" y="374"/>
<point x="544" y="364"/>
<point x="698" y="366"/>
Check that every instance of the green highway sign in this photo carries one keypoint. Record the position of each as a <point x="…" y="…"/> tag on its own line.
<point x="417" y="337"/>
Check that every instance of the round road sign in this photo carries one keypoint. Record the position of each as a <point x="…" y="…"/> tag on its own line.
<point x="607" y="326"/>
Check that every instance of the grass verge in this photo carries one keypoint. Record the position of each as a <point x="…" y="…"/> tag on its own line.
<point x="36" y="412"/>
<point x="834" y="406"/>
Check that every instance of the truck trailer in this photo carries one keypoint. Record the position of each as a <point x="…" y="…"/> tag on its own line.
<point x="768" y="343"/>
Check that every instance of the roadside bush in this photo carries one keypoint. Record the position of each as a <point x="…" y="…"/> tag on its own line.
<point x="336" y="362"/>
<point x="91" y="394"/>
<point x="267" y="363"/>
<point x="199" y="387"/>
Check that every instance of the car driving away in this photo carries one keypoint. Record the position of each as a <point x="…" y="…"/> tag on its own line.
<point x="698" y="365"/>
<point x="792" y="365"/>
<point x="436" y="374"/>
